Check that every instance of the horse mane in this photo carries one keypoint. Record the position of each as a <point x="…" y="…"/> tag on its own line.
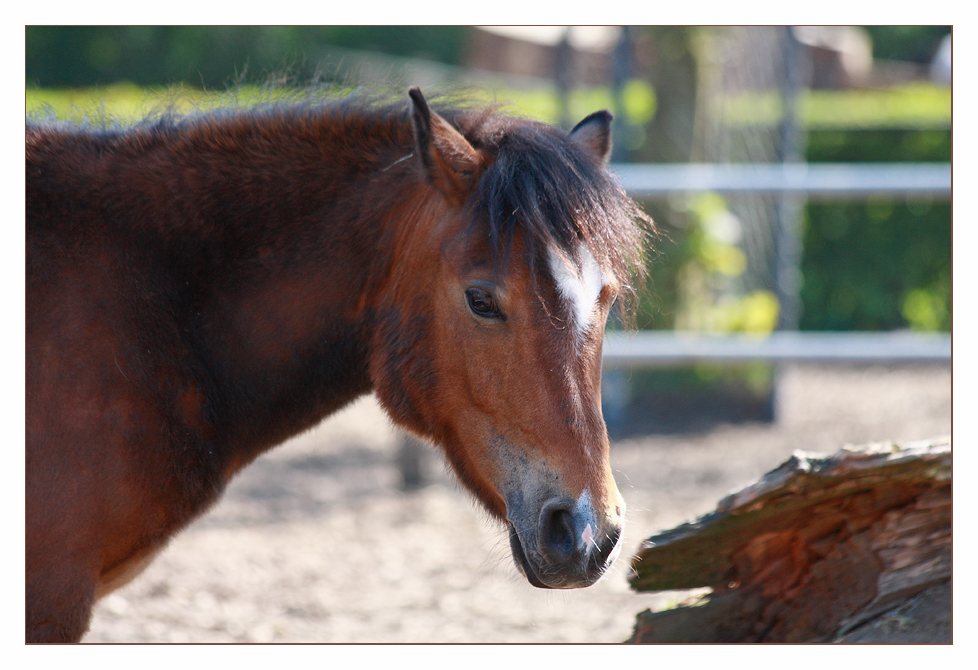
<point x="539" y="181"/>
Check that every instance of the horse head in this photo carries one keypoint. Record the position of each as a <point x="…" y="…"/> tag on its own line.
<point x="491" y="323"/>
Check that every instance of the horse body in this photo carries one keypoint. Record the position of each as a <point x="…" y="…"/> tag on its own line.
<point x="199" y="291"/>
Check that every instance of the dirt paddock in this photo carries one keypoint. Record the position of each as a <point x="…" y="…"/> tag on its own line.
<point x="315" y="542"/>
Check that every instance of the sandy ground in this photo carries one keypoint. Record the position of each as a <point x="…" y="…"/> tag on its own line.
<point x="316" y="542"/>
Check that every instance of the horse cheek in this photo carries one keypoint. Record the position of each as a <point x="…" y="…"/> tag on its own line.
<point x="401" y="370"/>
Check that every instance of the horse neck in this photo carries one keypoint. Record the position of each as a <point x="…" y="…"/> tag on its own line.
<point x="287" y="233"/>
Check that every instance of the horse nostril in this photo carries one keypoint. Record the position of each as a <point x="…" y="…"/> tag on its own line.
<point x="557" y="532"/>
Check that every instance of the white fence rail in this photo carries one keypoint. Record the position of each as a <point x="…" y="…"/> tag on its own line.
<point x="815" y="180"/>
<point x="650" y="349"/>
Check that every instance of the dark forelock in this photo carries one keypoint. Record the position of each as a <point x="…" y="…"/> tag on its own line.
<point x="545" y="185"/>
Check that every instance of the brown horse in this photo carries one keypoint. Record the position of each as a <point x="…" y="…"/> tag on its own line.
<point x="201" y="289"/>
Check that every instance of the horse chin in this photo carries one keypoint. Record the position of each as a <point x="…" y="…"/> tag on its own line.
<point x="521" y="561"/>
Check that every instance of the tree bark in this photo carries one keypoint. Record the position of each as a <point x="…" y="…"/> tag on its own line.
<point x="813" y="549"/>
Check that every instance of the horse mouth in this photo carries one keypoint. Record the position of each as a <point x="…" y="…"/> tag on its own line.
<point x="580" y="570"/>
<point x="521" y="560"/>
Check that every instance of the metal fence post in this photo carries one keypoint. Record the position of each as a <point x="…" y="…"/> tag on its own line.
<point x="787" y="231"/>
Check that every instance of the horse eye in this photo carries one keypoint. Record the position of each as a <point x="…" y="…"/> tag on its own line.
<point x="482" y="303"/>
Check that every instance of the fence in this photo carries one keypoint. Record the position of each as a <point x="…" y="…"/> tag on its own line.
<point x="656" y="348"/>
<point x="823" y="181"/>
<point x="819" y="180"/>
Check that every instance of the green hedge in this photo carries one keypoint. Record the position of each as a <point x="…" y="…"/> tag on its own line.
<point x="884" y="263"/>
<point x="215" y="56"/>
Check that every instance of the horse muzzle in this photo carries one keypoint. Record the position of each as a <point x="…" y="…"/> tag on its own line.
<point x="567" y="547"/>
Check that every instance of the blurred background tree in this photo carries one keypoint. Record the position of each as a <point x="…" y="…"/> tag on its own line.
<point x="912" y="44"/>
<point x="213" y="56"/>
<point x="74" y="56"/>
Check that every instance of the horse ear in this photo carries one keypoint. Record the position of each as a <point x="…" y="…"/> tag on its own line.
<point x="449" y="160"/>
<point x="594" y="134"/>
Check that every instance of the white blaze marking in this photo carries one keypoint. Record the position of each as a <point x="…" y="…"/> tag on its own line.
<point x="580" y="287"/>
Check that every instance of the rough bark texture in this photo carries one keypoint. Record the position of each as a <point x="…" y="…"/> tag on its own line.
<point x="815" y="548"/>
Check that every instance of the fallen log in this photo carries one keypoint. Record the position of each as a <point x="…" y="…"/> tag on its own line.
<point x="812" y="550"/>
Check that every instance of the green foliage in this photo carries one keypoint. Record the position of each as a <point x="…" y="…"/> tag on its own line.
<point x="916" y="44"/>
<point x="543" y="104"/>
<point x="924" y="145"/>
<point x="713" y="260"/>
<point x="911" y="106"/>
<point x="715" y="381"/>
<point x="878" y="264"/>
<point x="64" y="62"/>
<point x="918" y="105"/>
<point x="126" y="102"/>
<point x="215" y="56"/>
<point x="927" y="310"/>
<point x="884" y="263"/>
<point x="118" y="102"/>
<point x="638" y="99"/>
